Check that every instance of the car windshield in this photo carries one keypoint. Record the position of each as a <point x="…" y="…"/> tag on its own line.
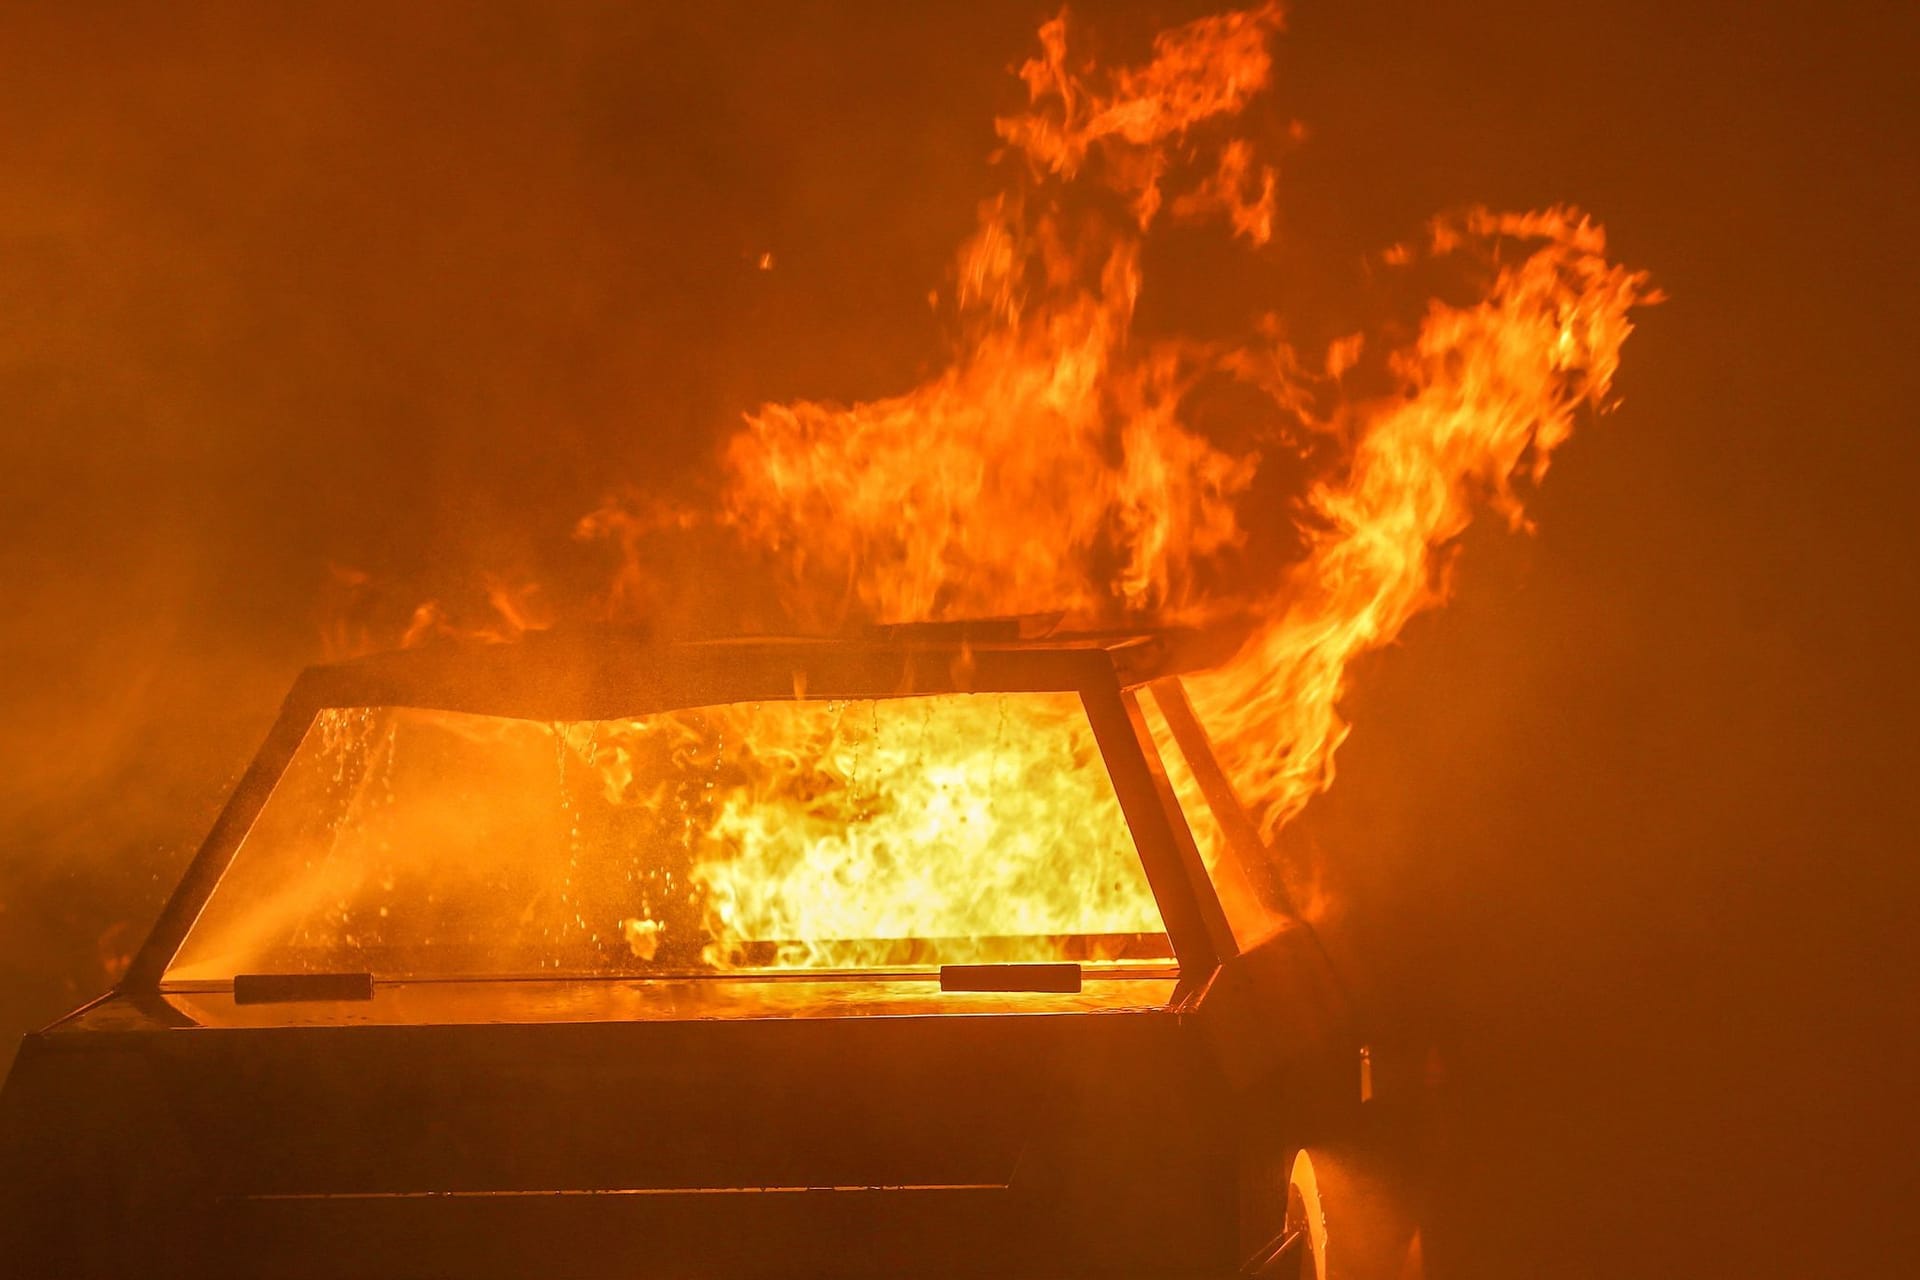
<point x="867" y="835"/>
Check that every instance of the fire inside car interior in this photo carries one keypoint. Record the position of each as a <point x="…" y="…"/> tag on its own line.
<point x="800" y="856"/>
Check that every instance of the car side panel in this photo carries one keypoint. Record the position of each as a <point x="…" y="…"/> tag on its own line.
<point x="1091" y="1144"/>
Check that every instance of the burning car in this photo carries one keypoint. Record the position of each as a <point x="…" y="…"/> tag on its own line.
<point x="943" y="950"/>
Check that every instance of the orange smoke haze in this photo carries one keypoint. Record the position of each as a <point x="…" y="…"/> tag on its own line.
<point x="579" y="310"/>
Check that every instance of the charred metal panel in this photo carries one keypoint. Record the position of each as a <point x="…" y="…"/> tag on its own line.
<point x="967" y="1146"/>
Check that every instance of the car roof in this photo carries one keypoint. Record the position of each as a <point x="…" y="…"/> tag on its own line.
<point x="604" y="674"/>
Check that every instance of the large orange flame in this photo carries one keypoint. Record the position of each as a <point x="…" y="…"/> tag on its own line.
<point x="1054" y="463"/>
<point x="1049" y="466"/>
<point x="1486" y="393"/>
<point x="1046" y="467"/>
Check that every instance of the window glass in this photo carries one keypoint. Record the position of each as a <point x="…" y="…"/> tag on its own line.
<point x="866" y="835"/>
<point x="1241" y="875"/>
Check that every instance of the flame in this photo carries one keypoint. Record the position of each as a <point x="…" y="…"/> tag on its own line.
<point x="1199" y="71"/>
<point x="1056" y="461"/>
<point x="980" y="826"/>
<point x="356" y="620"/>
<point x="1049" y="465"/>
<point x="874" y="834"/>
<point x="1046" y="467"/>
<point x="1487" y="393"/>
<point x="869" y="834"/>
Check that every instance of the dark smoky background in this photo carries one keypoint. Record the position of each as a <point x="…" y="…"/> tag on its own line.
<point x="1621" y="853"/>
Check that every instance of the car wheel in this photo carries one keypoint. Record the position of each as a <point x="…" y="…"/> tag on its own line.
<point x="1352" y="1219"/>
<point x="1306" y="1227"/>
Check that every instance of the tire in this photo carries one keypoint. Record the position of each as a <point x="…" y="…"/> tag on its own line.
<point x="1306" y="1218"/>
<point x="1355" y="1221"/>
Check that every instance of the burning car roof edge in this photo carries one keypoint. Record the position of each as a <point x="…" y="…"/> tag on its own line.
<point x="607" y="674"/>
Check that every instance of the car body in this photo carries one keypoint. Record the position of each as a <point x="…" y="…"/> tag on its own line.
<point x="279" y="1088"/>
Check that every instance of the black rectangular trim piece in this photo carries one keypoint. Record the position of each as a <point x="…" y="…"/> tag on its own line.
<point x="1062" y="978"/>
<point x="554" y="1193"/>
<point x="282" y="988"/>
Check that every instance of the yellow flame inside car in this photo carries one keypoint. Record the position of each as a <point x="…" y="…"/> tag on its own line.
<point x="854" y="834"/>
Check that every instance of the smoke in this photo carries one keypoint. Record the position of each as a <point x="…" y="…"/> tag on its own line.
<point x="408" y="289"/>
